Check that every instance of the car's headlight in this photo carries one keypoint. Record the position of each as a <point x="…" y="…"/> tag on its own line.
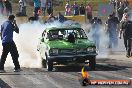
<point x="91" y="49"/>
<point x="54" y="51"/>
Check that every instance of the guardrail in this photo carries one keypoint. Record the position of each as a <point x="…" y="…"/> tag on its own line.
<point x="79" y="18"/>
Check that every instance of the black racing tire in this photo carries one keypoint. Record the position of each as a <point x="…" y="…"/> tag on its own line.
<point x="92" y="63"/>
<point x="43" y="63"/>
<point x="49" y="65"/>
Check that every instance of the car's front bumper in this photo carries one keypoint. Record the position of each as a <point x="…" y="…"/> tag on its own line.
<point x="72" y="57"/>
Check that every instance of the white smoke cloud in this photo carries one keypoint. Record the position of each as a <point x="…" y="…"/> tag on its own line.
<point x="26" y="42"/>
<point x="103" y="37"/>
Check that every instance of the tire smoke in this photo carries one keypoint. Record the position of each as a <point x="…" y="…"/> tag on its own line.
<point x="102" y="38"/>
<point x="26" y="42"/>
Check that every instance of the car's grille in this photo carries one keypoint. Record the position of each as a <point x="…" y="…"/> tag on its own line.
<point x="81" y="51"/>
<point x="67" y="51"/>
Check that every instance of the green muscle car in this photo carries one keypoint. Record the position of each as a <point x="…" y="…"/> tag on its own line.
<point x="62" y="45"/>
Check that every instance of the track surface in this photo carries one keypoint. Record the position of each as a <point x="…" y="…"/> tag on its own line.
<point x="112" y="67"/>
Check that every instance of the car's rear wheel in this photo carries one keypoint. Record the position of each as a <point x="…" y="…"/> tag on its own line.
<point x="92" y="63"/>
<point x="49" y="65"/>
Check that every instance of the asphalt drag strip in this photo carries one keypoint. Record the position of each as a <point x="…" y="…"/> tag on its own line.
<point x="3" y="84"/>
<point x="68" y="76"/>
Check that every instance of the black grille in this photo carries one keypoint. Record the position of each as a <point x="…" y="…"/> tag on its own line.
<point x="81" y="51"/>
<point x="67" y="51"/>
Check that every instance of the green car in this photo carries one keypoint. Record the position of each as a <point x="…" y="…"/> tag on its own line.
<point x="62" y="45"/>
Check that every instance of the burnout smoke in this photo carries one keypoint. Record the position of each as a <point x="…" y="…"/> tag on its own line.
<point x="103" y="39"/>
<point x="28" y="39"/>
<point x="26" y="42"/>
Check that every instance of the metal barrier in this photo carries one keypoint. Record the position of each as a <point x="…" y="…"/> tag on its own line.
<point x="79" y="18"/>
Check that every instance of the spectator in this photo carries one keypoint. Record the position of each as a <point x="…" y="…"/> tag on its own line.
<point x="1" y="7"/>
<point x="67" y="9"/>
<point x="43" y="6"/>
<point x="51" y="18"/>
<point x="61" y="18"/>
<point x="8" y="7"/>
<point x="124" y="15"/>
<point x="126" y="10"/>
<point x="120" y="11"/>
<point x="7" y="29"/>
<point x="35" y="17"/>
<point x="125" y="3"/>
<point x="49" y="7"/>
<point x="118" y="4"/>
<point x="89" y="12"/>
<point x="82" y="9"/>
<point x="75" y="9"/>
<point x="113" y="3"/>
<point x="36" y="6"/>
<point x="23" y="4"/>
<point x="112" y="30"/>
<point x="126" y="27"/>
<point x="96" y="24"/>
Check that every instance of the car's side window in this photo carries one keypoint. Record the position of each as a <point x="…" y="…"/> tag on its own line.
<point x="49" y="36"/>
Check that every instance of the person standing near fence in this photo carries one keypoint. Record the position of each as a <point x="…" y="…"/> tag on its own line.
<point x="89" y="12"/>
<point x="43" y="6"/>
<point x="36" y="6"/>
<point x="75" y="8"/>
<point x="49" y="7"/>
<point x="67" y="9"/>
<point x="8" y="7"/>
<point x="23" y="4"/>
<point x="82" y="9"/>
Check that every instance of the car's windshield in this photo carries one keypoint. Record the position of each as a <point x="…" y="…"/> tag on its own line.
<point x="63" y="33"/>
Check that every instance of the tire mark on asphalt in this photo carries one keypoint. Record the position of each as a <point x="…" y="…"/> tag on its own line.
<point x="44" y="75"/>
<point x="49" y="79"/>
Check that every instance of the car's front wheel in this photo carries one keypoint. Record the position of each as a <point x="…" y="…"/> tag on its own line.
<point x="92" y="63"/>
<point x="49" y="65"/>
